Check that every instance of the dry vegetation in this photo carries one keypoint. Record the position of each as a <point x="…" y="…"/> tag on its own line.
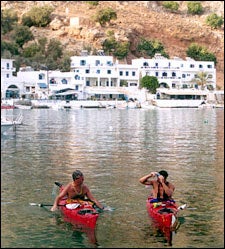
<point x="176" y="31"/>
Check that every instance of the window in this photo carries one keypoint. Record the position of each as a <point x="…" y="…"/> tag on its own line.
<point x="200" y="66"/>
<point x="97" y="62"/>
<point x="183" y="76"/>
<point x="156" y="74"/>
<point x="64" y="81"/>
<point x="98" y="71"/>
<point x="87" y="71"/>
<point x="145" y="64"/>
<point x="7" y="65"/>
<point x="164" y="74"/>
<point x="127" y="73"/>
<point x="192" y="65"/>
<point x="133" y="73"/>
<point x="108" y="71"/>
<point x="87" y="83"/>
<point x="76" y="77"/>
<point x="7" y="75"/>
<point x="40" y="76"/>
<point x="209" y="66"/>
<point x="52" y="81"/>
<point x="121" y="73"/>
<point x="173" y="74"/>
<point x="82" y="63"/>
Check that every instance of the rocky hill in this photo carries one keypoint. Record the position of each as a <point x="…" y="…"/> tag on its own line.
<point x="72" y="24"/>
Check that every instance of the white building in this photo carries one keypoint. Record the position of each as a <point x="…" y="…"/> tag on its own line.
<point x="101" y="77"/>
<point x="10" y="87"/>
<point x="175" y="73"/>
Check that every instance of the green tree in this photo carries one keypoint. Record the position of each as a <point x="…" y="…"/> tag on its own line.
<point x="65" y="62"/>
<point x="8" y="19"/>
<point x="38" y="16"/>
<point x="31" y="50"/>
<point x="54" y="49"/>
<point x="11" y="47"/>
<point x="170" y="5"/>
<point x="214" y="21"/>
<point x="194" y="8"/>
<point x="93" y="3"/>
<point x="151" y="83"/>
<point x="109" y="44"/>
<point x="200" y="53"/>
<point x="42" y="44"/>
<point x="21" y="35"/>
<point x="121" y="50"/>
<point x="105" y="16"/>
<point x="202" y="78"/>
<point x="150" y="48"/>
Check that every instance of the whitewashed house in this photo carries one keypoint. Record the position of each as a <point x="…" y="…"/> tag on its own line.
<point x="175" y="73"/>
<point x="10" y="86"/>
<point x="101" y="77"/>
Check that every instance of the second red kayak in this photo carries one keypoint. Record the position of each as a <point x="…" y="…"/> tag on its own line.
<point x="164" y="216"/>
<point x="163" y="212"/>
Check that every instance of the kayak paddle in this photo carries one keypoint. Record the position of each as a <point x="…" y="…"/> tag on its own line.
<point x="43" y="205"/>
<point x="182" y="207"/>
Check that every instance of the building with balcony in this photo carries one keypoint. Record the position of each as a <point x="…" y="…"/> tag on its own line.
<point x="102" y="77"/>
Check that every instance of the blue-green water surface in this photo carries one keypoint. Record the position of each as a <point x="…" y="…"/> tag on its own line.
<point x="113" y="148"/>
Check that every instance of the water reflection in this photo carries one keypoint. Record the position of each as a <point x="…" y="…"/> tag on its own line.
<point x="114" y="148"/>
<point x="79" y="234"/>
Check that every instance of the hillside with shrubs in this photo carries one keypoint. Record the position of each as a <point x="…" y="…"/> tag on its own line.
<point x="44" y="34"/>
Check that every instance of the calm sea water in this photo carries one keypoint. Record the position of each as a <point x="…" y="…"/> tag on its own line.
<point x="113" y="148"/>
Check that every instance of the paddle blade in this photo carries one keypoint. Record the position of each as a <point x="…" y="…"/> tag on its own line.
<point x="40" y="204"/>
<point x="108" y="208"/>
<point x="182" y="207"/>
<point x="35" y="204"/>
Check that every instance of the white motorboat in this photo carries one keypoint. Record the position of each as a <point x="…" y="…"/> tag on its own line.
<point x="26" y="107"/>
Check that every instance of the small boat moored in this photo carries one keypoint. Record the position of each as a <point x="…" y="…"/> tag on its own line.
<point x="7" y="123"/>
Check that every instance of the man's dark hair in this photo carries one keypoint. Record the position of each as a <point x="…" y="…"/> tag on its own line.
<point x="76" y="174"/>
<point x="163" y="173"/>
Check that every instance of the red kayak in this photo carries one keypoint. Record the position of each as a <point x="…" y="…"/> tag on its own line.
<point x="163" y="212"/>
<point x="164" y="216"/>
<point x="78" y="212"/>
